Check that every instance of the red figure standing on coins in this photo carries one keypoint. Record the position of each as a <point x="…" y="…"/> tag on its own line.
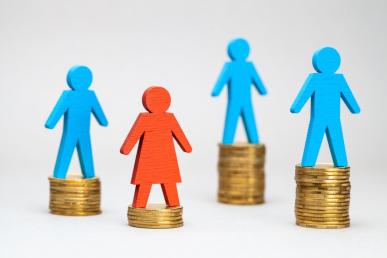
<point x="156" y="161"/>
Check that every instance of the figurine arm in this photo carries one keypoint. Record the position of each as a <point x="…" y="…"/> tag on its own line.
<point x="349" y="99"/>
<point x="223" y="79"/>
<point x="134" y="135"/>
<point x="179" y="135"/>
<point x="305" y="93"/>
<point x="59" y="109"/>
<point x="98" y="112"/>
<point x="257" y="81"/>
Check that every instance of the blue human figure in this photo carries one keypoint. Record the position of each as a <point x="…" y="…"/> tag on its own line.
<point x="325" y="88"/>
<point x="239" y="75"/>
<point x="76" y="105"/>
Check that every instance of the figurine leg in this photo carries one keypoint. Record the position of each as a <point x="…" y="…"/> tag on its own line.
<point x="170" y="194"/>
<point x="313" y="141"/>
<point x="141" y="195"/>
<point x="336" y="144"/>
<point x="86" y="156"/>
<point x="250" y="124"/>
<point x="230" y="124"/>
<point x="65" y="153"/>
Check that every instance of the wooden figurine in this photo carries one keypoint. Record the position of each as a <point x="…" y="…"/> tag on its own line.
<point x="325" y="88"/>
<point x="156" y="161"/>
<point x="247" y="186"/>
<point x="76" y="195"/>
<point x="239" y="75"/>
<point x="76" y="106"/>
<point x="323" y="190"/>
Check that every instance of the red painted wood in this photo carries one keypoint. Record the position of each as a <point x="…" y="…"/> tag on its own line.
<point x="156" y="161"/>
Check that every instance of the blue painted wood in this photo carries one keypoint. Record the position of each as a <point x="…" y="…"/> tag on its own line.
<point x="239" y="75"/>
<point x="325" y="89"/>
<point x="76" y="106"/>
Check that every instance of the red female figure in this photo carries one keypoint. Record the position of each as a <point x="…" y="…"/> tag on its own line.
<point x="156" y="161"/>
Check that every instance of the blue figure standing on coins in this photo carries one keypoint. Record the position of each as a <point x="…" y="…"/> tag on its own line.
<point x="239" y="75"/>
<point x="76" y="105"/>
<point x="325" y="88"/>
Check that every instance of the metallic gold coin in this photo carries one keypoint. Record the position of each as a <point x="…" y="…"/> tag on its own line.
<point x="322" y="209"/>
<point x="155" y="216"/>
<point x="75" y="196"/>
<point x="140" y="225"/>
<point x="317" y="205"/>
<point x="153" y="221"/>
<point x="241" y="174"/>
<point x="318" y="209"/>
<point x="324" y="219"/>
<point x="241" y="202"/>
<point x="75" y="213"/>
<point x="322" y="196"/>
<point x="321" y="199"/>
<point x="320" y="226"/>
<point x="317" y="192"/>
<point x="243" y="148"/>
<point x="322" y="215"/>
<point x="238" y="182"/>
<point x="311" y="222"/>
<point x="321" y="174"/>
<point x="325" y="168"/>
<point x="320" y="178"/>
<point x="323" y="188"/>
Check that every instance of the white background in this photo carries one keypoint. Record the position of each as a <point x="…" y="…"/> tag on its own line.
<point x="181" y="45"/>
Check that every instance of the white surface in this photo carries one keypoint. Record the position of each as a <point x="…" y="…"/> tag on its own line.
<point x="131" y="45"/>
<point x="211" y="229"/>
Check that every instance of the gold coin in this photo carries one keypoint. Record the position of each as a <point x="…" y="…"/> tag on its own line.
<point x="319" y="226"/>
<point x="241" y="202"/>
<point x="159" y="223"/>
<point x="303" y="191"/>
<point x="323" y="188"/>
<point x="322" y="196"/>
<point x="319" y="205"/>
<point x="139" y="225"/>
<point x="323" y="222"/>
<point x="317" y="219"/>
<point x="155" y="221"/>
<point x="322" y="168"/>
<point x="311" y="209"/>
<point x="321" y="174"/>
<point x="155" y="216"/>
<point x="322" y="215"/>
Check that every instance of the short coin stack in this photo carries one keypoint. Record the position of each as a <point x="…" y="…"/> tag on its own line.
<point x="322" y="196"/>
<point x="75" y="196"/>
<point x="241" y="173"/>
<point x="156" y="216"/>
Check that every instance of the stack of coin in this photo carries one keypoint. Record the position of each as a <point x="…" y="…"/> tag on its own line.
<point x="241" y="173"/>
<point x="155" y="216"/>
<point x="322" y="196"/>
<point x="75" y="196"/>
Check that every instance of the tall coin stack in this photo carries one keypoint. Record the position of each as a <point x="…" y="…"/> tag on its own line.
<point x="156" y="216"/>
<point x="241" y="173"/>
<point x="75" y="196"/>
<point x="322" y="196"/>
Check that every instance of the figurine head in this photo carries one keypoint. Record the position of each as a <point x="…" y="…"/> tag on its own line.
<point x="238" y="49"/>
<point x="79" y="77"/>
<point x="156" y="99"/>
<point x="326" y="60"/>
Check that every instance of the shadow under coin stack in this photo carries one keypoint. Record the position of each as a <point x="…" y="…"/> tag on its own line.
<point x="157" y="216"/>
<point x="75" y="196"/>
<point x="241" y="173"/>
<point x="322" y="196"/>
